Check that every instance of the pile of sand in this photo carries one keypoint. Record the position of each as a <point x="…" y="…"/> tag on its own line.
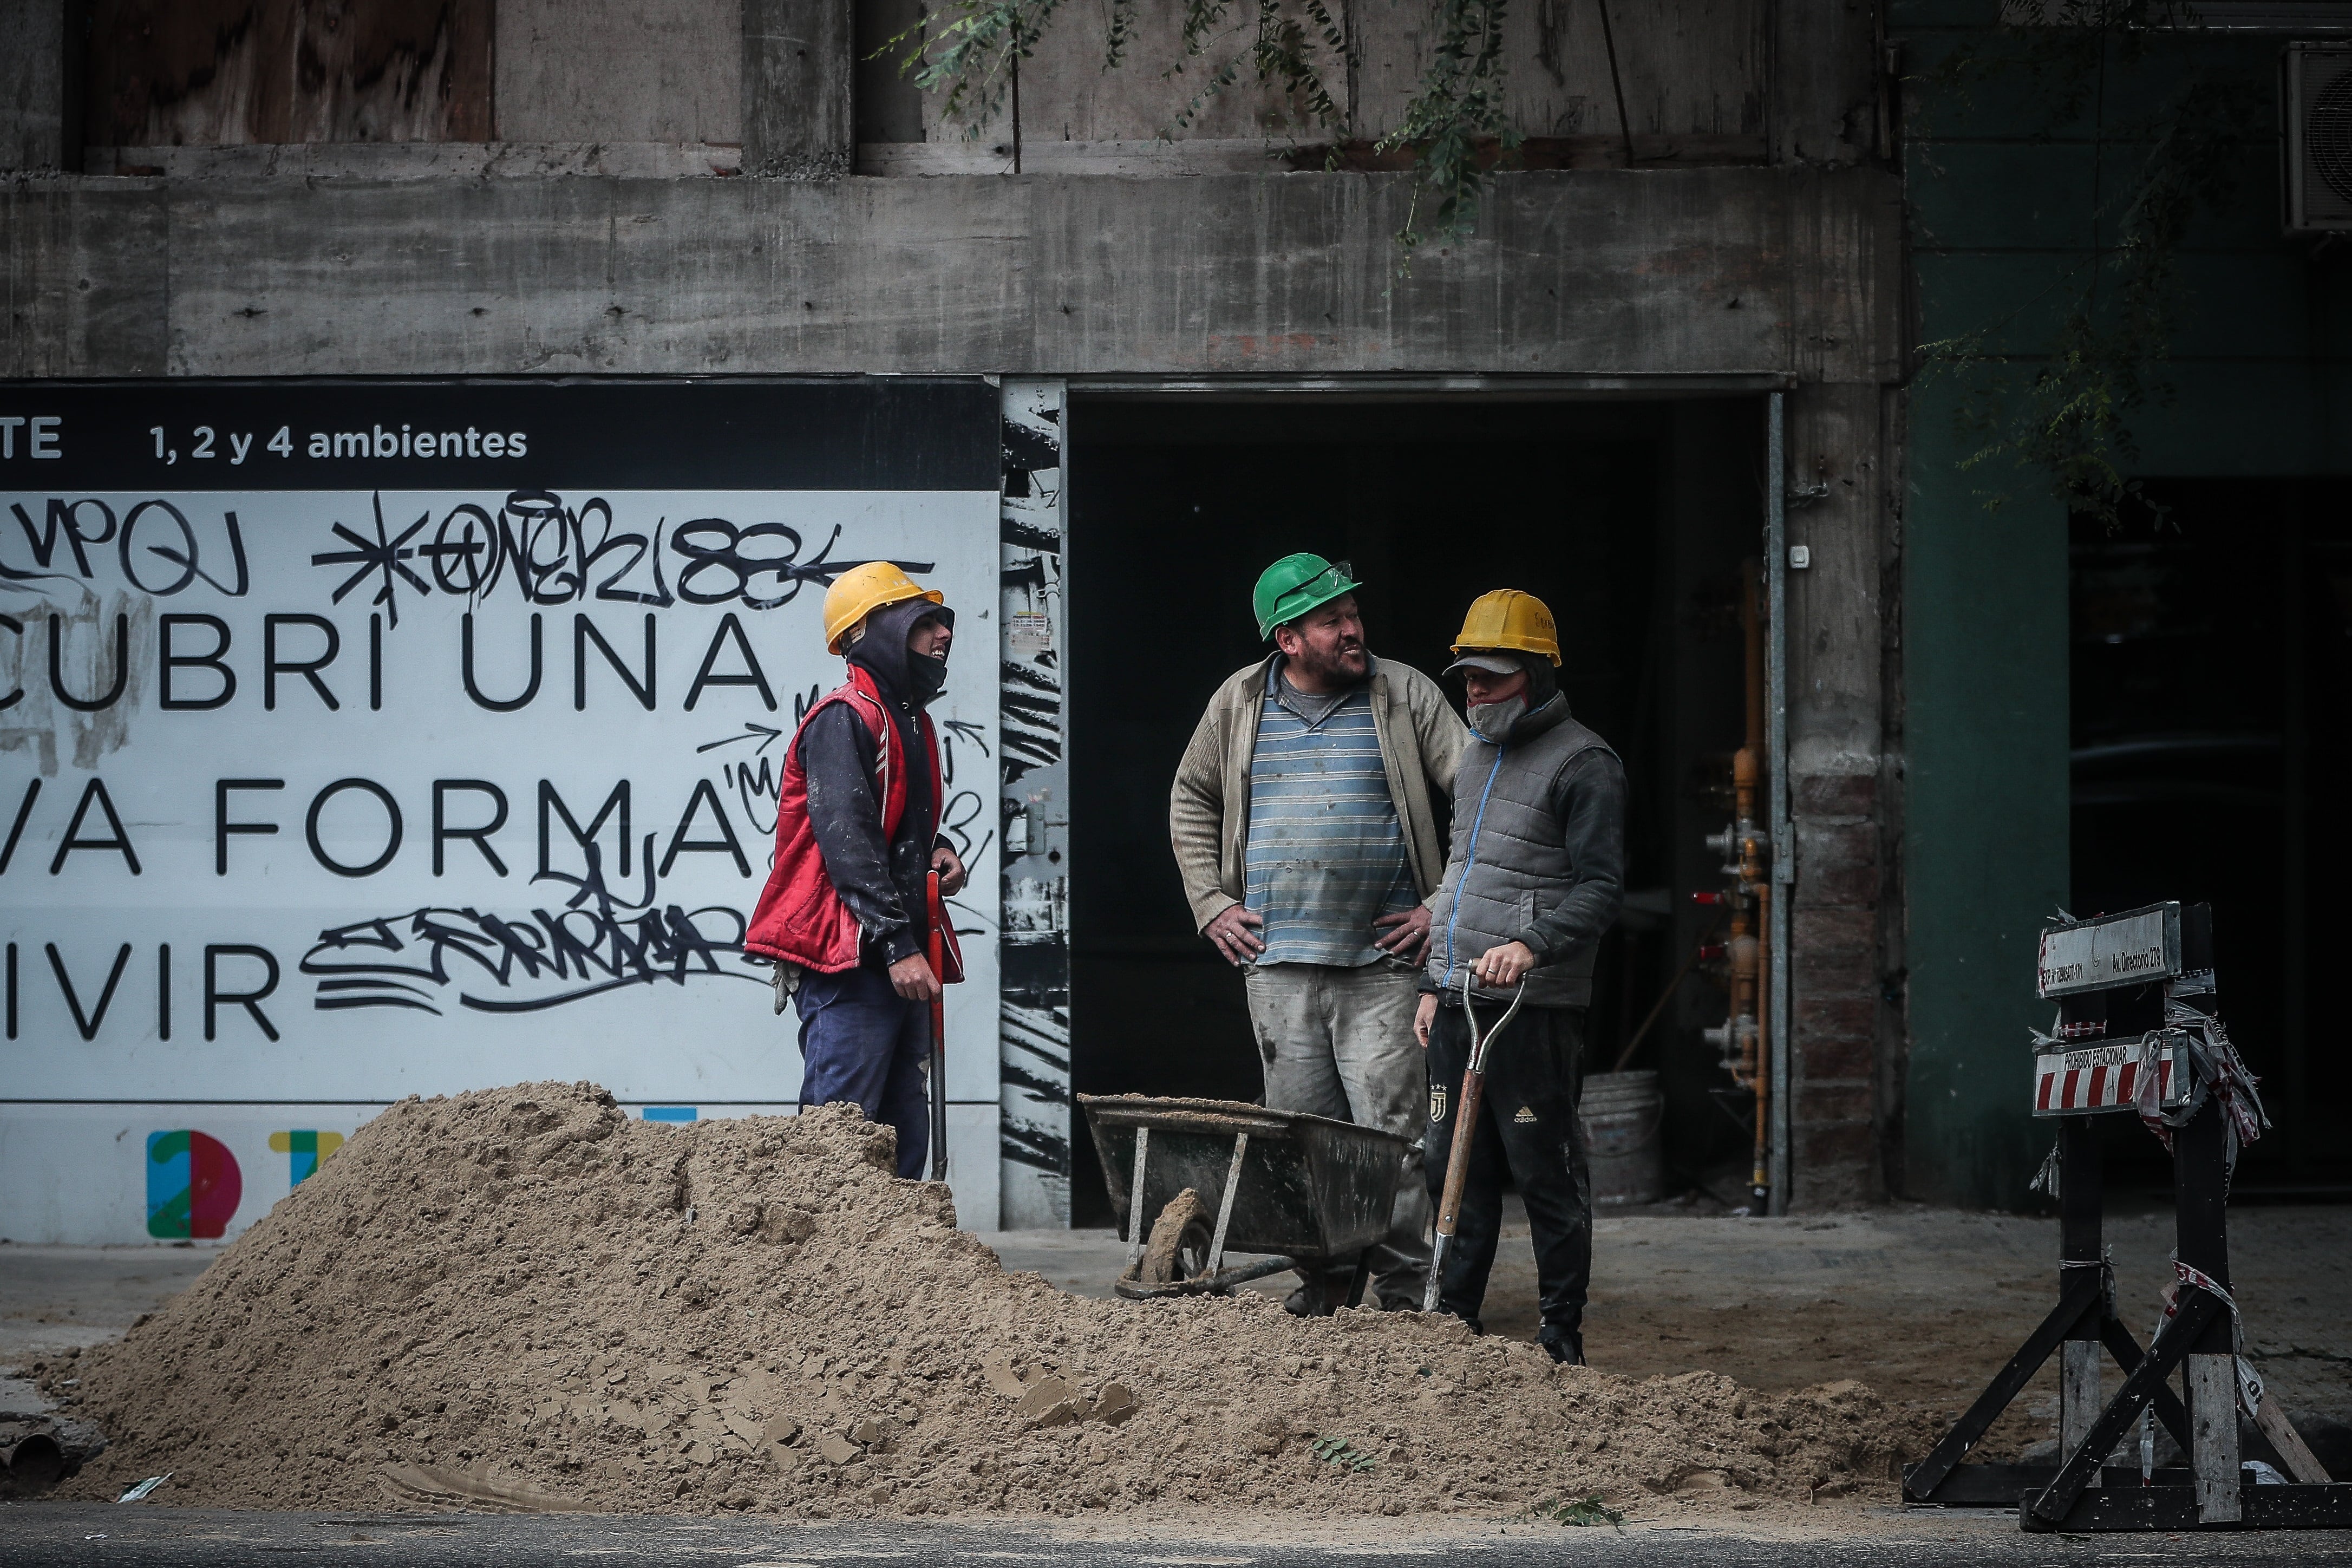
<point x="521" y="1297"/>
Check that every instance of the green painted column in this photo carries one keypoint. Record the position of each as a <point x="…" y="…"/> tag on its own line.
<point x="1985" y="814"/>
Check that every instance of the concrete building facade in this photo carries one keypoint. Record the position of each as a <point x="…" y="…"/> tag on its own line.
<point x="731" y="189"/>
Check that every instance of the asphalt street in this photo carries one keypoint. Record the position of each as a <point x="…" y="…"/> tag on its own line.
<point x="37" y="1535"/>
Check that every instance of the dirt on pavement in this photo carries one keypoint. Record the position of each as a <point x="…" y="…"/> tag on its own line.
<point x="521" y="1298"/>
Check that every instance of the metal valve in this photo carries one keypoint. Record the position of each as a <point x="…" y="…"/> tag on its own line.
<point x="1731" y="1035"/>
<point x="1734" y="844"/>
<point x="1734" y="1037"/>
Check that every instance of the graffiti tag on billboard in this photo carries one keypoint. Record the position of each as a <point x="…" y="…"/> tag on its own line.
<point x="309" y="768"/>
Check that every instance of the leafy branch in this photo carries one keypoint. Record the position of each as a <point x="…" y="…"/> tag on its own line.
<point x="2067" y="413"/>
<point x="970" y="50"/>
<point x="1456" y="124"/>
<point x="1459" y="104"/>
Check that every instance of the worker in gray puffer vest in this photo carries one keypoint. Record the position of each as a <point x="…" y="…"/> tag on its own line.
<point x="1536" y="878"/>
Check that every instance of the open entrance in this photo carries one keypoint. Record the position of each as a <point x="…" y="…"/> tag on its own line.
<point x="1630" y="519"/>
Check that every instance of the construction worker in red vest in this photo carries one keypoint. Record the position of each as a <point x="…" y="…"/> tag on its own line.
<point x="846" y="914"/>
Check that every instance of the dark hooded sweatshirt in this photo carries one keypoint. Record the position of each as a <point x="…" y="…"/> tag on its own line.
<point x="882" y="883"/>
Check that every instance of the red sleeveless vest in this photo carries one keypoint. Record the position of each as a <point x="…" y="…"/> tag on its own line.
<point x="801" y="917"/>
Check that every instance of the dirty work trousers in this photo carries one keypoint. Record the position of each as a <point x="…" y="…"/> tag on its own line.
<point x="1534" y="1079"/>
<point x="1338" y="1041"/>
<point x="864" y="1043"/>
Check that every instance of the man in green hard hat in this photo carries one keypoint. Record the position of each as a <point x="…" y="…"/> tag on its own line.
<point x="1304" y="818"/>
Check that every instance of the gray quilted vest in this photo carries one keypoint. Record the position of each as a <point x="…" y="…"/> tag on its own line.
<point x="1518" y="868"/>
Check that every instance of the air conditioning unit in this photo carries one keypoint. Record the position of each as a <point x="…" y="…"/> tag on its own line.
<point x="2318" y="99"/>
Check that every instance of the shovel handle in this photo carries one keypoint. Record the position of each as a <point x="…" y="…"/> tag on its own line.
<point x="1457" y="1176"/>
<point x="1466" y="1113"/>
<point x="939" y="1086"/>
<point x="1457" y="1160"/>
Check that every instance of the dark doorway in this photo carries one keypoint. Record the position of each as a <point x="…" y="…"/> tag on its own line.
<point x="2212" y="687"/>
<point x="1176" y="505"/>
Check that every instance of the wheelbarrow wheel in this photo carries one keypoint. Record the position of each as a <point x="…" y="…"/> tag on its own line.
<point x="1179" y="1247"/>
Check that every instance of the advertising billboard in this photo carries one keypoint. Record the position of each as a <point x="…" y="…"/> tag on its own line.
<point x="367" y="739"/>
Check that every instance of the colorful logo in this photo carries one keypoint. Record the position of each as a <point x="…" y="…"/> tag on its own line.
<point x="305" y="1149"/>
<point x="193" y="1185"/>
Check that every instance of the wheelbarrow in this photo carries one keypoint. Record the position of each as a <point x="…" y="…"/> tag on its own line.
<point x="1223" y="1177"/>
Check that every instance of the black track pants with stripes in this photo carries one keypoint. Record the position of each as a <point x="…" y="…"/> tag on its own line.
<point x="1534" y="1079"/>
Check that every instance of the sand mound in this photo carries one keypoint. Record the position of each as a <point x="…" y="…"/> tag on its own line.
<point x="521" y="1298"/>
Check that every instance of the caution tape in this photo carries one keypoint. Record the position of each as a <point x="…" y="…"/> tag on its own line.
<point x="2219" y="1071"/>
<point x="2250" y="1382"/>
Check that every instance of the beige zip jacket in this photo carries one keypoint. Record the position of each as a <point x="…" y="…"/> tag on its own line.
<point x="1208" y="810"/>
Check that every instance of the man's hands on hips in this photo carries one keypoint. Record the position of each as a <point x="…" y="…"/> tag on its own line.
<point x="1424" y="1014"/>
<point x="1234" y="931"/>
<point x="1504" y="965"/>
<point x="1404" y="934"/>
<point x="911" y="977"/>
<point x="945" y="861"/>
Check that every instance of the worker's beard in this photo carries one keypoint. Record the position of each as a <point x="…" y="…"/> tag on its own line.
<point x="1495" y="720"/>
<point x="1344" y="666"/>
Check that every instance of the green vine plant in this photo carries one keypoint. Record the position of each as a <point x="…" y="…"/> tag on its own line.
<point x="1339" y="1452"/>
<point x="2065" y="413"/>
<point x="1458" y="105"/>
<point x="1455" y="125"/>
<point x="1588" y="1511"/>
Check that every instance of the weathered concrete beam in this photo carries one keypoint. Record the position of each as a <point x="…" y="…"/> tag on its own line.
<point x="1702" y="271"/>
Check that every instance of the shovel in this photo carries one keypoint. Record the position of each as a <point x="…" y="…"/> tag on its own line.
<point x="1465" y="1129"/>
<point x="938" y="1074"/>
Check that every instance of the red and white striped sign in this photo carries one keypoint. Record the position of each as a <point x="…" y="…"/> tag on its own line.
<point x="2103" y="1078"/>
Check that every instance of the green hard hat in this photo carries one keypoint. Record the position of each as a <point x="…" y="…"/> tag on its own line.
<point x="1296" y="584"/>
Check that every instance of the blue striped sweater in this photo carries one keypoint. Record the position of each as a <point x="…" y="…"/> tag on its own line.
<point x="1326" y="854"/>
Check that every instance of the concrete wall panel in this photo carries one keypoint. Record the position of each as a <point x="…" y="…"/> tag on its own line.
<point x="798" y="86"/>
<point x="1827" y="87"/>
<point x="1681" y="272"/>
<point x="1693" y="68"/>
<point x="32" y="84"/>
<point x="620" y="71"/>
<point x="87" y="291"/>
<point x="1067" y="95"/>
<point x="1690" y="68"/>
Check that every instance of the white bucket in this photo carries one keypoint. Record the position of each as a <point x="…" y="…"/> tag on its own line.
<point x="1621" y="1112"/>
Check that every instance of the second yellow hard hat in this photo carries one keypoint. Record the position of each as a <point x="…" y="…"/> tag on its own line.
<point x="1507" y="618"/>
<point x="862" y="590"/>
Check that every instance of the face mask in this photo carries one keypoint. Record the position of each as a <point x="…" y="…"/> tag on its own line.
<point x="1493" y="720"/>
<point x="928" y="676"/>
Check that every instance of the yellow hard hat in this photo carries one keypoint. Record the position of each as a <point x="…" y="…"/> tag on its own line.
<point x="1507" y="618"/>
<point x="862" y="590"/>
